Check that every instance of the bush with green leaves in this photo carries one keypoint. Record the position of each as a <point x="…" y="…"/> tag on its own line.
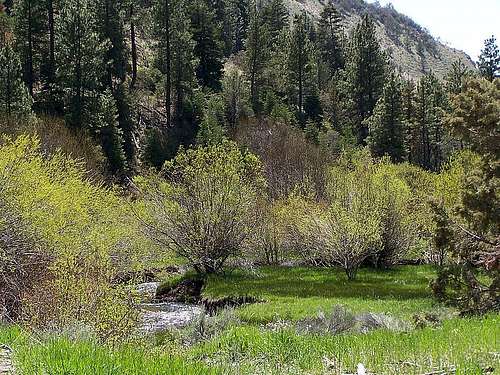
<point x="87" y="235"/>
<point x="202" y="204"/>
<point x="367" y="214"/>
<point x="344" y="231"/>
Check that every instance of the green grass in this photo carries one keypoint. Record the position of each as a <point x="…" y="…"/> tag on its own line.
<point x="294" y="293"/>
<point x="469" y="345"/>
<point x="64" y="356"/>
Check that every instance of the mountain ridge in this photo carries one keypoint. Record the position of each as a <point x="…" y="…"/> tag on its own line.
<point x="411" y="48"/>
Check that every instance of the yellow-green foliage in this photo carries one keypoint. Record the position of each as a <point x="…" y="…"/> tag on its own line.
<point x="202" y="205"/>
<point x="84" y="227"/>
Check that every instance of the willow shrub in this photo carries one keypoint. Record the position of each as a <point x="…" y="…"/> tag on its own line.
<point x="367" y="214"/>
<point x="83" y="227"/>
<point x="202" y="204"/>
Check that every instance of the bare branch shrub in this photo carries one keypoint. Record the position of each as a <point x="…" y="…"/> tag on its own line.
<point x="290" y="161"/>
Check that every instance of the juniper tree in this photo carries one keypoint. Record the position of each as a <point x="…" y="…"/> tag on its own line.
<point x="471" y="279"/>
<point x="489" y="60"/>
<point x="366" y="68"/>
<point x="387" y="130"/>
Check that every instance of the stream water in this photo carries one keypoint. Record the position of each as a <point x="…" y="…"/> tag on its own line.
<point x="156" y="317"/>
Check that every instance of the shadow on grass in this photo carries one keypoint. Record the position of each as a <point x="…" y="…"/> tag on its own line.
<point x="403" y="283"/>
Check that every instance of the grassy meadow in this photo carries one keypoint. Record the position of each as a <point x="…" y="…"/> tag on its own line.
<point x="259" y="341"/>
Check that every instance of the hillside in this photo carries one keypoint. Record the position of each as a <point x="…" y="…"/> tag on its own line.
<point x="411" y="48"/>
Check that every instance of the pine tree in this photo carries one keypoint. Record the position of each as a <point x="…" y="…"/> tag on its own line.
<point x="81" y="58"/>
<point x="427" y="133"/>
<point x="387" y="130"/>
<point x="29" y="28"/>
<point x="408" y="92"/>
<point x="110" y="15"/>
<point x="275" y="16"/>
<point x="105" y="122"/>
<point x="366" y="72"/>
<point x="456" y="77"/>
<point x="238" y="13"/>
<point x="14" y="97"/>
<point x="208" y="45"/>
<point x="489" y="60"/>
<point x="4" y="23"/>
<point x="163" y="31"/>
<point x="300" y="64"/>
<point x="256" y="55"/>
<point x="112" y="34"/>
<point x="330" y="34"/>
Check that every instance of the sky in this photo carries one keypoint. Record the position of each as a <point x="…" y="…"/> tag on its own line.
<point x="461" y="24"/>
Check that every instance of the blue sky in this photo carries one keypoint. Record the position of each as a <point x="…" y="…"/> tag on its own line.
<point x="462" y="24"/>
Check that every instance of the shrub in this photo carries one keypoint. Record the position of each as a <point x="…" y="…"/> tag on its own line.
<point x="345" y="231"/>
<point x="201" y="205"/>
<point x="399" y="226"/>
<point x="83" y="228"/>
<point x="291" y="163"/>
<point x="23" y="263"/>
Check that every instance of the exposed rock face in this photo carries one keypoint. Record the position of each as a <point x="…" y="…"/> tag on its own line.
<point x="410" y="47"/>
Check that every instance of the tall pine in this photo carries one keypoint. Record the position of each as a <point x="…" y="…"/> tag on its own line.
<point x="366" y="73"/>
<point x="489" y="60"/>
<point x="387" y="126"/>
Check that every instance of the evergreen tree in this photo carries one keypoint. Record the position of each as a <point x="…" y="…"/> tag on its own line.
<point x="81" y="59"/>
<point x="14" y="97"/>
<point x="4" y="23"/>
<point x="366" y="72"/>
<point x="387" y="130"/>
<point x="471" y="279"/>
<point x="408" y="101"/>
<point x="112" y="34"/>
<point x="330" y="34"/>
<point x="29" y="28"/>
<point x="175" y="52"/>
<point x="489" y="60"/>
<point x="208" y="45"/>
<point x="299" y="63"/>
<point x="238" y="13"/>
<point x="456" y="77"/>
<point x="427" y="133"/>
<point x="104" y="119"/>
<point x="275" y="16"/>
<point x="256" y="56"/>
<point x="163" y="31"/>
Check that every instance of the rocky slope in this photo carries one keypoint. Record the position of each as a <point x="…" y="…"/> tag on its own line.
<point x="411" y="48"/>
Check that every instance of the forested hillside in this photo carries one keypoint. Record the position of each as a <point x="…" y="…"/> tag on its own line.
<point x="244" y="187"/>
<point x="410" y="47"/>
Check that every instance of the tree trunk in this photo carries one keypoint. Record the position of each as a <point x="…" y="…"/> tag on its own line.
<point x="52" y="59"/>
<point x="168" y="84"/>
<point x="134" y="47"/>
